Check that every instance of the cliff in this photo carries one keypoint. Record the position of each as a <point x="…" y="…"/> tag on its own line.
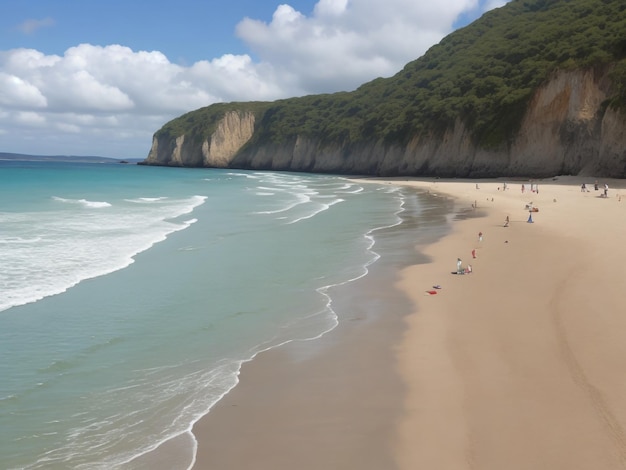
<point x="232" y="131"/>
<point x="566" y="129"/>
<point x="533" y="89"/>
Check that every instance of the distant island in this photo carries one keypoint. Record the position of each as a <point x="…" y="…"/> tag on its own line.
<point x="66" y="158"/>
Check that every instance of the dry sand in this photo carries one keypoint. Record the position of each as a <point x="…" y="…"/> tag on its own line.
<point x="522" y="364"/>
<point x="519" y="365"/>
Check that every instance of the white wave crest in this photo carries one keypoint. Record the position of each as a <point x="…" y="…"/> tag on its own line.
<point x="82" y="247"/>
<point x="83" y="202"/>
<point x="146" y="200"/>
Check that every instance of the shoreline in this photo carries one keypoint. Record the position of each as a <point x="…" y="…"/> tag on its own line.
<point x="332" y="402"/>
<point x="517" y="365"/>
<point x="301" y="405"/>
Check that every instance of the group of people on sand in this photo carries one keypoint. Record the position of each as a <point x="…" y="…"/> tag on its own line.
<point x="534" y="188"/>
<point x="583" y="188"/>
<point x="460" y="269"/>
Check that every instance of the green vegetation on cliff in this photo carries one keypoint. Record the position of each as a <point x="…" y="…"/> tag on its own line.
<point x="201" y="123"/>
<point x="483" y="74"/>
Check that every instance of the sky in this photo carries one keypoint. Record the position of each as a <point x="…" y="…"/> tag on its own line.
<point x="88" y="77"/>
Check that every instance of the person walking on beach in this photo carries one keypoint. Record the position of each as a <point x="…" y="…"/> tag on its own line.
<point x="459" y="266"/>
<point x="480" y="237"/>
<point x="506" y="221"/>
<point x="606" y="190"/>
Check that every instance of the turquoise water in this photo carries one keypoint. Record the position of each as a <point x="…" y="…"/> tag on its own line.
<point x="130" y="296"/>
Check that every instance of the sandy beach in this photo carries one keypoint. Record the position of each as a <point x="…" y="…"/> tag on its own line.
<point x="518" y="365"/>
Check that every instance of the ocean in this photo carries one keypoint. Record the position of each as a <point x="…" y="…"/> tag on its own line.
<point x="130" y="296"/>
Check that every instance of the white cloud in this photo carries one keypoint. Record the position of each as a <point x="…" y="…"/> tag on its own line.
<point x="108" y="99"/>
<point x="18" y="93"/>
<point x="491" y="4"/>
<point x="330" y="7"/>
<point x="29" y="118"/>
<point x="345" y="43"/>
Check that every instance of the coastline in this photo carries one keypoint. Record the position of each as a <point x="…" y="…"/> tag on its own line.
<point x="517" y="365"/>
<point x="332" y="402"/>
<point x="327" y="403"/>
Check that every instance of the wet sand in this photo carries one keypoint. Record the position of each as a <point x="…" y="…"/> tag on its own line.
<point x="329" y="403"/>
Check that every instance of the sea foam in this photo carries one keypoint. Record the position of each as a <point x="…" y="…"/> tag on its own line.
<point x="62" y="248"/>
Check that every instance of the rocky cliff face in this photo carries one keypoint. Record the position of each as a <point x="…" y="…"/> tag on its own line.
<point x="217" y="151"/>
<point x="566" y="130"/>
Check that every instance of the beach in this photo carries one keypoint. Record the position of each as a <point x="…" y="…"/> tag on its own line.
<point x="517" y="365"/>
<point x="331" y="402"/>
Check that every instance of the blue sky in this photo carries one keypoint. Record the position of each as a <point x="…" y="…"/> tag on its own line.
<point x="87" y="77"/>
